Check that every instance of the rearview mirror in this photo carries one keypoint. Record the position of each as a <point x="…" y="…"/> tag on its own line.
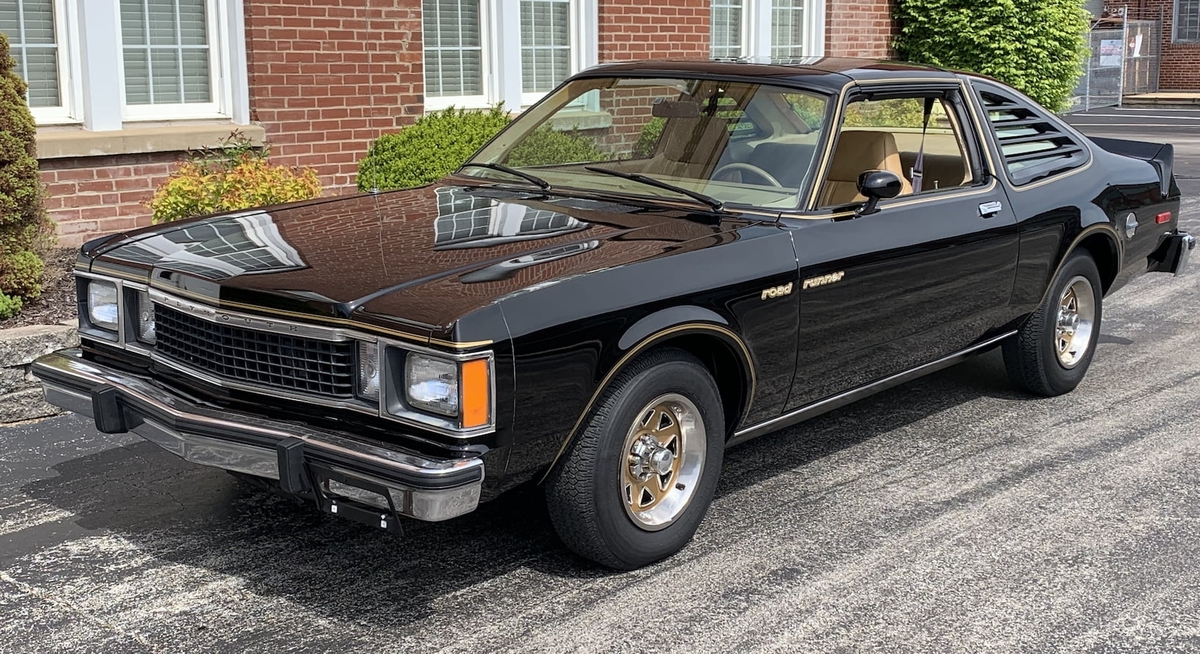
<point x="675" y="109"/>
<point x="876" y="185"/>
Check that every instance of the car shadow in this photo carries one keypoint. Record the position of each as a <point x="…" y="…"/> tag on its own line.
<point x="278" y="547"/>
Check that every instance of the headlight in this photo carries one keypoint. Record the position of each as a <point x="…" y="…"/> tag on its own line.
<point x="431" y="384"/>
<point x="368" y="371"/>
<point x="456" y="389"/>
<point x="145" y="318"/>
<point x="102" y="304"/>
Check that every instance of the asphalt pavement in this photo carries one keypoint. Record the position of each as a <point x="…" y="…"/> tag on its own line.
<point x="948" y="514"/>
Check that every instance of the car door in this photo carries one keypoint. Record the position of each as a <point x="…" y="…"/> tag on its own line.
<point x="927" y="275"/>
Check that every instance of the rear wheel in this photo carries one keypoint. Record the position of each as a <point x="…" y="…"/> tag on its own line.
<point x="633" y="488"/>
<point x="1052" y="351"/>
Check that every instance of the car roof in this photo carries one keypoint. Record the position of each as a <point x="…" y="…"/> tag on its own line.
<point x="831" y="73"/>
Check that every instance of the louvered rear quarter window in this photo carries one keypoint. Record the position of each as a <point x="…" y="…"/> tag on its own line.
<point x="1033" y="145"/>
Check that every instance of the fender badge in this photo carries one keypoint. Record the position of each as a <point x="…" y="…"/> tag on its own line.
<point x="824" y="280"/>
<point x="777" y="291"/>
<point x="1131" y="225"/>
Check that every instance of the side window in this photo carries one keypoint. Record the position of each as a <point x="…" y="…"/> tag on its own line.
<point x="891" y="135"/>
<point x="1033" y="145"/>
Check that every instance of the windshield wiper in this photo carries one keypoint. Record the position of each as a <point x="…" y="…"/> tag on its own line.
<point x="532" y="179"/>
<point x="713" y="203"/>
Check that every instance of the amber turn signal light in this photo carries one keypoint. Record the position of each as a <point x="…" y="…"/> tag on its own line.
<point x="1164" y="217"/>
<point x="476" y="393"/>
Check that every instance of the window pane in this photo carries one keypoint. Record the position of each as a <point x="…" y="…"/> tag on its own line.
<point x="545" y="44"/>
<point x="453" y="48"/>
<point x="726" y="29"/>
<point x="166" y="52"/>
<point x="787" y="29"/>
<point x="1187" y="20"/>
<point x="29" y="26"/>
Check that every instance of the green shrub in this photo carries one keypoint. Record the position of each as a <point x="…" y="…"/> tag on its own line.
<point x="429" y="149"/>
<point x="235" y="176"/>
<point x="9" y="306"/>
<point x="546" y="146"/>
<point x="24" y="229"/>
<point x="1036" y="46"/>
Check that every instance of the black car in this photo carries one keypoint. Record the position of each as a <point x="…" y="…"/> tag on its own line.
<point x="657" y="261"/>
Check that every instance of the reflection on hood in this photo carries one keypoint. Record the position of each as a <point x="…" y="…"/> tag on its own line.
<point x="235" y="245"/>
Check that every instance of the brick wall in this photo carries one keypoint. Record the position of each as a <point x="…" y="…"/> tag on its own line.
<point x="859" y="29"/>
<point x="636" y="29"/>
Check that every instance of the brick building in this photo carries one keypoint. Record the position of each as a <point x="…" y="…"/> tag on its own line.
<point x="1179" y="68"/>
<point x="121" y="89"/>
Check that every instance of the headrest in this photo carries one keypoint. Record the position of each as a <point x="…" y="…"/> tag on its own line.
<point x="860" y="151"/>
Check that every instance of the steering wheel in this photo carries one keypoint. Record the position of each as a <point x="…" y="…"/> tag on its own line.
<point x="749" y="168"/>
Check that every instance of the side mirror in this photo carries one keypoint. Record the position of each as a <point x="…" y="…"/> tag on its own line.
<point x="877" y="185"/>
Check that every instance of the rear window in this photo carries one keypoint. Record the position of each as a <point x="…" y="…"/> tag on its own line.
<point x="1033" y="145"/>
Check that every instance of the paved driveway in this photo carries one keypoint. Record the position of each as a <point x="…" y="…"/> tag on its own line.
<point x="947" y="514"/>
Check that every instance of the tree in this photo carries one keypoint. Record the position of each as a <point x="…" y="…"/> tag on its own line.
<point x="1036" y="46"/>
<point x="24" y="229"/>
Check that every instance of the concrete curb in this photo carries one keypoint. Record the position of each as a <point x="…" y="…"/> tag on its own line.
<point x="21" y="394"/>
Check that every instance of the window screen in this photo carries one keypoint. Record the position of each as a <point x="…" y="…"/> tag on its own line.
<point x="787" y="29"/>
<point x="1033" y="145"/>
<point x="453" y="48"/>
<point x="1187" y="20"/>
<point x="727" y="29"/>
<point x="29" y="26"/>
<point x="166" y="52"/>
<point x="545" y="44"/>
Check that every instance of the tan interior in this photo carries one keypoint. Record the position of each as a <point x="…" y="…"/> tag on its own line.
<point x="857" y="152"/>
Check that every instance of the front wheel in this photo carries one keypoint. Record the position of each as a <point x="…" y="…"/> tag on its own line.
<point x="1052" y="351"/>
<point x="634" y="486"/>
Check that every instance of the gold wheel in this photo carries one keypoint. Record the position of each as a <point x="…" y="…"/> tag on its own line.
<point x="1075" y="321"/>
<point x="664" y="458"/>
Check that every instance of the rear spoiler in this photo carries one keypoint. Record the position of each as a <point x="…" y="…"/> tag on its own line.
<point x="1159" y="155"/>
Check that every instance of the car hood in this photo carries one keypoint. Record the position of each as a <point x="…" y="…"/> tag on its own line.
<point x="420" y="258"/>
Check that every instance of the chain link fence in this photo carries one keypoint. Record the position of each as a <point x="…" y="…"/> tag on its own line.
<point x="1124" y="61"/>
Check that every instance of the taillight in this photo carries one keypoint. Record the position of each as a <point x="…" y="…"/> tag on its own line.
<point x="1162" y="218"/>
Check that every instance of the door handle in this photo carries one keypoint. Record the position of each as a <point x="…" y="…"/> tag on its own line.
<point x="989" y="209"/>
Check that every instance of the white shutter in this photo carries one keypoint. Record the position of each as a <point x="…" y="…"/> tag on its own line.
<point x="545" y="44"/>
<point x="453" y="48"/>
<point x="29" y="26"/>
<point x="166" y="54"/>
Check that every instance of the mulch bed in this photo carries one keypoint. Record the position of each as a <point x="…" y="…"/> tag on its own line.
<point x="57" y="302"/>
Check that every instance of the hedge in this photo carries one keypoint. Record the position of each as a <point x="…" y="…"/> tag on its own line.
<point x="439" y="142"/>
<point x="1036" y="46"/>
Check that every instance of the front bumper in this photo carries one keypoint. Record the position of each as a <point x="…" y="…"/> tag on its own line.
<point x="346" y="476"/>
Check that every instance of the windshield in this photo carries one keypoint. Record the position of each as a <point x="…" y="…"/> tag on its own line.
<point x="732" y="142"/>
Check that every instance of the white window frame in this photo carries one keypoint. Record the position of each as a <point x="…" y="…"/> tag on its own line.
<point x="757" y="34"/>
<point x="216" y="13"/>
<point x="92" y="70"/>
<point x="66" y="23"/>
<point x="501" y="26"/>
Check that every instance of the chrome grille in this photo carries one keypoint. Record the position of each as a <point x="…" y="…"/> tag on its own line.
<point x="292" y="363"/>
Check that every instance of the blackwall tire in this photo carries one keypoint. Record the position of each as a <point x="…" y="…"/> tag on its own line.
<point x="634" y="486"/>
<point x="1051" y="353"/>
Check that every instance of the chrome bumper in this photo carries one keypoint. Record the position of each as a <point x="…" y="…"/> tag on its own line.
<point x="346" y="476"/>
<point x="1187" y="243"/>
